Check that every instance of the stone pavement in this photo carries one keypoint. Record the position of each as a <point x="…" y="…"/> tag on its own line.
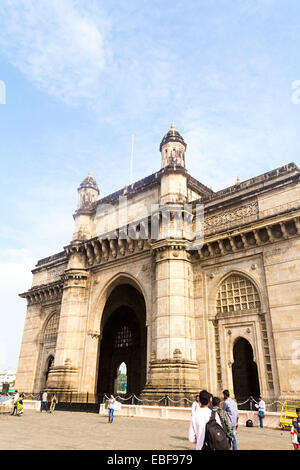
<point x="75" y="430"/>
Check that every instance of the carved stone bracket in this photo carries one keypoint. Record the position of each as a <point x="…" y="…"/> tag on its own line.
<point x="108" y="247"/>
<point x="239" y="240"/>
<point x="94" y="334"/>
<point x="74" y="278"/>
<point x="43" y="293"/>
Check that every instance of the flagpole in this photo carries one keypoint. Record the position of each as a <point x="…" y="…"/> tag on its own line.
<point x="131" y="158"/>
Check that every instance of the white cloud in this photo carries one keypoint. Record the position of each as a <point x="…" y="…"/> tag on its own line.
<point x="60" y="45"/>
<point x="72" y="50"/>
<point x="219" y="151"/>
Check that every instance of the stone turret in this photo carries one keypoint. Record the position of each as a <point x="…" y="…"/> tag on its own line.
<point x="172" y="148"/>
<point x="173" y="187"/>
<point x="88" y="193"/>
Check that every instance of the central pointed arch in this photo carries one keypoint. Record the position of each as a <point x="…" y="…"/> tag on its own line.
<point x="123" y="336"/>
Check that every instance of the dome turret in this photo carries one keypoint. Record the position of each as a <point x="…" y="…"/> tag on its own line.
<point x="89" y="182"/>
<point x="88" y="192"/>
<point x="172" y="148"/>
<point x="172" y="136"/>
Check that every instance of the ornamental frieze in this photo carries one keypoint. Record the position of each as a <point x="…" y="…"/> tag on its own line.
<point x="232" y="216"/>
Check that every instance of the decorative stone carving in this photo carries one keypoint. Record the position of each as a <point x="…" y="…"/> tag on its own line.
<point x="231" y="216"/>
<point x="44" y="293"/>
<point x="94" y="334"/>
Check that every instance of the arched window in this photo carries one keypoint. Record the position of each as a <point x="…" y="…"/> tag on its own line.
<point x="51" y="329"/>
<point x="123" y="338"/>
<point x="122" y="379"/>
<point x="237" y="293"/>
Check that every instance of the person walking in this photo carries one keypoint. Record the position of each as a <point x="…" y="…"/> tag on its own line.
<point x="295" y="431"/>
<point x="44" y="402"/>
<point x="20" y="405"/>
<point x="261" y="406"/>
<point x="231" y="409"/>
<point x="199" y="419"/>
<point x="224" y="418"/>
<point x="16" y="398"/>
<point x="111" y="403"/>
<point x="53" y="404"/>
<point x="196" y="404"/>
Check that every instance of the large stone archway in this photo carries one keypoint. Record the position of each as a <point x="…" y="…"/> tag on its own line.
<point x="123" y="339"/>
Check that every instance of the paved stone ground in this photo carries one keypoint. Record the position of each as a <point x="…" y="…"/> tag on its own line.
<point x="80" y="431"/>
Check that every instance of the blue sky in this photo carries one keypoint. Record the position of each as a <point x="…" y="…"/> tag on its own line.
<point x="82" y="75"/>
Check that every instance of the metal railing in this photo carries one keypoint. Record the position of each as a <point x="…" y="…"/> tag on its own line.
<point x="90" y="402"/>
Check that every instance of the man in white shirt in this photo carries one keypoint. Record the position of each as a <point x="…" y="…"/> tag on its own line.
<point x="199" y="419"/>
<point x="261" y="410"/>
<point x="196" y="404"/>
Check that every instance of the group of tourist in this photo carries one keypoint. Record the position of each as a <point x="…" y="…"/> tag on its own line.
<point x="212" y="426"/>
<point x="44" y="402"/>
<point x="206" y="409"/>
<point x="18" y="407"/>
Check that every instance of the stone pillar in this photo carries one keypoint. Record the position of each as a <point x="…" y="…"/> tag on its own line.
<point x="173" y="368"/>
<point x="64" y="375"/>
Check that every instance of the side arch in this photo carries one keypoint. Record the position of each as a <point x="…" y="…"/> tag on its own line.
<point x="238" y="309"/>
<point x="244" y="371"/>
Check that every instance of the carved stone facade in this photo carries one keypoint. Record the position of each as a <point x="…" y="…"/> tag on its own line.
<point x="219" y="313"/>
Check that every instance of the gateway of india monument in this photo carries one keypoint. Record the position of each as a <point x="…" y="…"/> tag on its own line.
<point x="189" y="288"/>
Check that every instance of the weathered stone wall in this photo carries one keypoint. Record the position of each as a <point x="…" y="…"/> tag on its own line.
<point x="282" y="271"/>
<point x="111" y="215"/>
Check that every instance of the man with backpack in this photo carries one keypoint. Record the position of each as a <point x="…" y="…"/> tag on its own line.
<point x="206" y="430"/>
<point x="231" y="409"/>
<point x="224" y="419"/>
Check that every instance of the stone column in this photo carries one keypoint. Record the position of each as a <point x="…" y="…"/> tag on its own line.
<point x="173" y="367"/>
<point x="64" y="375"/>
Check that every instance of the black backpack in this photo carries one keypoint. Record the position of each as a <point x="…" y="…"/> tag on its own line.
<point x="215" y="435"/>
